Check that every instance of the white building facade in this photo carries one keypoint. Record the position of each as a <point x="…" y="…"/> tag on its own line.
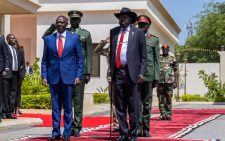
<point x="98" y="19"/>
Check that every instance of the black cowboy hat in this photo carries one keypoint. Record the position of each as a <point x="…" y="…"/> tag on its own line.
<point x="128" y="12"/>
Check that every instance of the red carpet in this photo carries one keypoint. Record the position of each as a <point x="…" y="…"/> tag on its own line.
<point x="87" y="121"/>
<point x="183" y="120"/>
<point x="113" y="139"/>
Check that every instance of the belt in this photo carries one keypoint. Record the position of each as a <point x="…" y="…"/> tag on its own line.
<point x="14" y="72"/>
<point x="123" y="67"/>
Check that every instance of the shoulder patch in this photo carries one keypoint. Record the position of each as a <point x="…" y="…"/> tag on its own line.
<point x="84" y="30"/>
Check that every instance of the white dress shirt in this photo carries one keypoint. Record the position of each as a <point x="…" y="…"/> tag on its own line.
<point x="14" y="58"/>
<point x="63" y="38"/>
<point x="123" y="54"/>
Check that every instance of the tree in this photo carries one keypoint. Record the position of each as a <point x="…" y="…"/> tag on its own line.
<point x="210" y="29"/>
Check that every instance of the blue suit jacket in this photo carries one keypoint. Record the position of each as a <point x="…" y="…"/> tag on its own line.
<point x="67" y="67"/>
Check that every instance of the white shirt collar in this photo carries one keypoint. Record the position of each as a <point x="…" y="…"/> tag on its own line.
<point x="126" y="29"/>
<point x="63" y="34"/>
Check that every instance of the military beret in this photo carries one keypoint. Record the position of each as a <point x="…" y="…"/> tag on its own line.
<point x="75" y="14"/>
<point x="165" y="46"/>
<point x="144" y="19"/>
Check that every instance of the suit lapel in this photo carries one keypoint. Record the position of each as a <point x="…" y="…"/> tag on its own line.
<point x="115" y="40"/>
<point x="55" y="43"/>
<point x="66" y="41"/>
<point x="130" y="39"/>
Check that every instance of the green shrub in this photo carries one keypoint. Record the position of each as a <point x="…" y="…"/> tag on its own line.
<point x="40" y="101"/>
<point x="32" y="84"/>
<point x="196" y="97"/>
<point x="34" y="94"/>
<point x="219" y="99"/>
<point x="101" y="98"/>
<point x="216" y="89"/>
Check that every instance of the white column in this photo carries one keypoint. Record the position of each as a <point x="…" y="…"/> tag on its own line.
<point x="222" y="66"/>
<point x="5" y="25"/>
<point x="1" y="23"/>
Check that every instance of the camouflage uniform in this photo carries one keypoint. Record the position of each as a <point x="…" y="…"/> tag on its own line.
<point x="152" y="74"/>
<point x="165" y="85"/>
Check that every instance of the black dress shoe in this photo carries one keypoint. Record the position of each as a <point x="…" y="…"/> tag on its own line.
<point x="123" y="138"/>
<point x="146" y="134"/>
<point x="133" y="138"/>
<point x="4" y="116"/>
<point x="75" y="133"/>
<point x="66" y="138"/>
<point x="54" y="138"/>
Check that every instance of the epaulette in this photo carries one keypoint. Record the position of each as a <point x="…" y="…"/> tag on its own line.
<point x="85" y="30"/>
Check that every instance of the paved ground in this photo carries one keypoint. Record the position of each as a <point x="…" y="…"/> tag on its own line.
<point x="212" y="130"/>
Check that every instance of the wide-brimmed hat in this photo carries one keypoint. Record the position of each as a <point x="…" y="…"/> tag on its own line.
<point x="128" y="12"/>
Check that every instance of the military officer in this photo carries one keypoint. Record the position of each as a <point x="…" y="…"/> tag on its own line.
<point x="167" y="82"/>
<point x="86" y="44"/>
<point x="151" y="77"/>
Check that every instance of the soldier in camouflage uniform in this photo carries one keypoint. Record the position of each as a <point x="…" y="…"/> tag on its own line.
<point x="87" y="50"/>
<point x="104" y="51"/>
<point x="167" y="83"/>
<point x="151" y="77"/>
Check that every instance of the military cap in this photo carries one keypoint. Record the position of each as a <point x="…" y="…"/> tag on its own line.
<point x="144" y="19"/>
<point x="165" y="46"/>
<point x="75" y="14"/>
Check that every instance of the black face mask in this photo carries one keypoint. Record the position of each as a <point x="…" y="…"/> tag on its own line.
<point x="143" y="26"/>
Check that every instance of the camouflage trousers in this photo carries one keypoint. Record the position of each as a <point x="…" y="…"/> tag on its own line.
<point x="165" y="94"/>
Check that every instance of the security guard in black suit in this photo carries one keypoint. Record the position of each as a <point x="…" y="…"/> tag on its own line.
<point x="4" y="62"/>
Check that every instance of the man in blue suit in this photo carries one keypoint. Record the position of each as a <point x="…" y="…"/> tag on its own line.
<point x="61" y="68"/>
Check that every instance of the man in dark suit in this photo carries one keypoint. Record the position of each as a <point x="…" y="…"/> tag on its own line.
<point x="28" y="68"/>
<point x="4" y="62"/>
<point x="19" y="84"/>
<point x="62" y="68"/>
<point x="128" y="65"/>
<point x="11" y="77"/>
